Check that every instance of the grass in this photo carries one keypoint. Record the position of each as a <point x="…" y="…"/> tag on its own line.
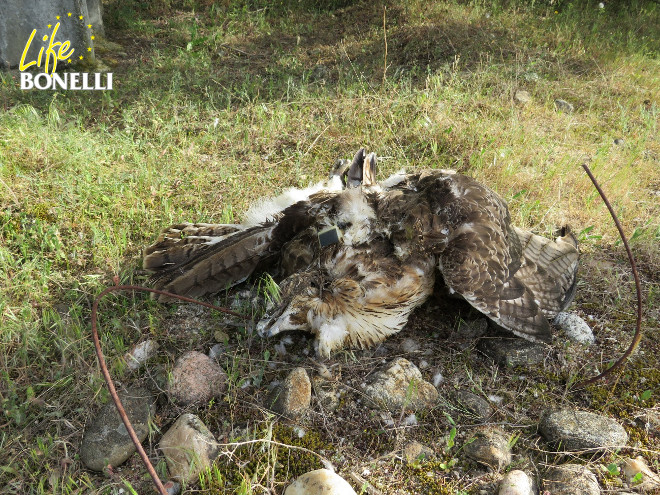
<point x="216" y="104"/>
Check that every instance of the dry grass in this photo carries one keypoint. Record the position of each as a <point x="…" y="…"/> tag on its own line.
<point x="217" y="106"/>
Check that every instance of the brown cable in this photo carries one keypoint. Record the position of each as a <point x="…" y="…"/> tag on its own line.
<point x="638" y="331"/>
<point x="108" y="379"/>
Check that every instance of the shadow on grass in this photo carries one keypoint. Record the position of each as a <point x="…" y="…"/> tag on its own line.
<point x="221" y="54"/>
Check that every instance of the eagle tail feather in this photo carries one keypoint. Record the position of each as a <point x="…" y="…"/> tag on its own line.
<point x="549" y="269"/>
<point x="197" y="259"/>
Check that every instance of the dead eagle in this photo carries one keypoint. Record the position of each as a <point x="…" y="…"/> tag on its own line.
<point x="356" y="257"/>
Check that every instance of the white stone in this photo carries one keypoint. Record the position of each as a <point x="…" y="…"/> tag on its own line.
<point x="320" y="482"/>
<point x="140" y="354"/>
<point x="576" y="328"/>
<point x="516" y="483"/>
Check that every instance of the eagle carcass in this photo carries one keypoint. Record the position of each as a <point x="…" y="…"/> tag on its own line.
<point x="356" y="257"/>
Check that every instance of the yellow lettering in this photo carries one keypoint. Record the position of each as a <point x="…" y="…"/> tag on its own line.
<point x="63" y="48"/>
<point x="55" y="50"/>
<point x="50" y="51"/>
<point x="23" y="65"/>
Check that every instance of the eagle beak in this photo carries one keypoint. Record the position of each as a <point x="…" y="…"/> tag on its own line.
<point x="282" y="324"/>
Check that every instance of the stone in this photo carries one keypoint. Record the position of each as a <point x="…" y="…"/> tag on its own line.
<point x="638" y="475"/>
<point x="514" y="352"/>
<point x="189" y="447"/>
<point x="415" y="452"/>
<point x="401" y="385"/>
<point x="221" y="336"/>
<point x="522" y="97"/>
<point x="475" y="407"/>
<point x="619" y="142"/>
<point x="576" y="329"/>
<point x="106" y="441"/>
<point x="320" y="482"/>
<point x="293" y="396"/>
<point x="572" y="430"/>
<point x="563" y="106"/>
<point x="570" y="479"/>
<point x="140" y="354"/>
<point x="20" y="18"/>
<point x="489" y="446"/>
<point x="196" y="378"/>
<point x="516" y="482"/>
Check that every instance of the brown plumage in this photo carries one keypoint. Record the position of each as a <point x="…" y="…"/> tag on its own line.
<point x="391" y="238"/>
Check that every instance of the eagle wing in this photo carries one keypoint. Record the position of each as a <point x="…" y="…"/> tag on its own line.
<point x="390" y="237"/>
<point x="514" y="277"/>
<point x="198" y="259"/>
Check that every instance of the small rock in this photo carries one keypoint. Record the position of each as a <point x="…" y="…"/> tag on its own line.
<point x="409" y="345"/>
<point x="575" y="328"/>
<point x="472" y="404"/>
<point x="516" y="482"/>
<point x="563" y="106"/>
<point x="416" y="452"/>
<point x="570" y="479"/>
<point x="580" y="430"/>
<point x="514" y="352"/>
<point x="293" y="396"/>
<point x="188" y="447"/>
<point x="140" y="354"/>
<point x="221" y="336"/>
<point x="522" y="97"/>
<point x="106" y="441"/>
<point x="196" y="378"/>
<point x="320" y="482"/>
<point x="647" y="481"/>
<point x="401" y="385"/>
<point x="490" y="446"/>
<point x="619" y="142"/>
